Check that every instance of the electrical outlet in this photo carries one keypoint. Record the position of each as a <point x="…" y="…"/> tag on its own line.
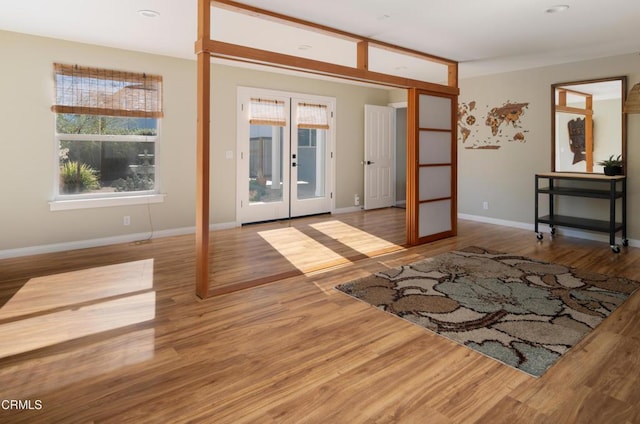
<point x="126" y="220"/>
<point x="356" y="199"/>
<point x="485" y="205"/>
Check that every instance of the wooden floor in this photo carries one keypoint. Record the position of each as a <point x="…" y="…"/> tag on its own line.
<point x="295" y="247"/>
<point x="116" y="334"/>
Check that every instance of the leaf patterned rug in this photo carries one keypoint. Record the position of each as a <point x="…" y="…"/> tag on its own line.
<point x="521" y="311"/>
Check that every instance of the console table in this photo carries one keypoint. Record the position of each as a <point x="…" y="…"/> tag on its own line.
<point x="599" y="187"/>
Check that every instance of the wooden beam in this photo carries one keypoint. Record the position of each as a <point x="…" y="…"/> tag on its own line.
<point x="363" y="55"/>
<point x="574" y="110"/>
<point x="203" y="149"/>
<point x="453" y="75"/>
<point x="234" y="51"/>
<point x="574" y="92"/>
<point x="562" y="97"/>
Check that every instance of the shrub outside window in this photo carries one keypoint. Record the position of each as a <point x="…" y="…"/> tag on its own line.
<point x="107" y="125"/>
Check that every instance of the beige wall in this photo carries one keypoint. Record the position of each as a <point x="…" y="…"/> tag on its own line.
<point x="398" y="95"/>
<point x="505" y="177"/>
<point x="27" y="161"/>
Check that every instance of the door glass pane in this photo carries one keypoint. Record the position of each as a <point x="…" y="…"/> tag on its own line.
<point x="311" y="163"/>
<point x="265" y="163"/>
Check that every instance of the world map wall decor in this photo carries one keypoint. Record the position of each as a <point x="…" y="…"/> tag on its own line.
<point x="489" y="127"/>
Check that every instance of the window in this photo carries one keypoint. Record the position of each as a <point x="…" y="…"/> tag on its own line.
<point x="107" y="125"/>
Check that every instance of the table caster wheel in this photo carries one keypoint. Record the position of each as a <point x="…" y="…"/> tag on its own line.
<point x="625" y="242"/>
<point x="539" y="236"/>
<point x="615" y="248"/>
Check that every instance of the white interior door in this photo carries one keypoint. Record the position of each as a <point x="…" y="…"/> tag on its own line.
<point x="379" y="157"/>
<point x="284" y="155"/>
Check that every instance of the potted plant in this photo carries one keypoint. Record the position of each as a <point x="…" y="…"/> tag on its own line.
<point x="612" y="166"/>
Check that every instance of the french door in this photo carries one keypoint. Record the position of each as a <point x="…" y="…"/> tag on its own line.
<point x="284" y="155"/>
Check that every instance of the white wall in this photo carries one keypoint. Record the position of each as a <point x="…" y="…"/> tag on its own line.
<point x="27" y="159"/>
<point x="505" y="177"/>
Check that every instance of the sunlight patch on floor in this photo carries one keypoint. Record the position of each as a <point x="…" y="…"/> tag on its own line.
<point x="302" y="251"/>
<point x="57" y="308"/>
<point x="46" y="330"/>
<point x="356" y="239"/>
<point x="69" y="288"/>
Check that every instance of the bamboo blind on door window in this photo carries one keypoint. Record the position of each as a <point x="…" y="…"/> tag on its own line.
<point x="267" y="112"/>
<point x="313" y="116"/>
<point x="95" y="91"/>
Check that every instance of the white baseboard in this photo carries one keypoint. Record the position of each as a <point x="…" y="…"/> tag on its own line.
<point x="349" y="209"/>
<point x="129" y="238"/>
<point x="543" y="228"/>
<point x="105" y="241"/>
<point x="361" y="208"/>
<point x="485" y="219"/>
<point x="221" y="226"/>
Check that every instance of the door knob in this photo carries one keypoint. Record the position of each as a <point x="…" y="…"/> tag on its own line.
<point x="370" y="163"/>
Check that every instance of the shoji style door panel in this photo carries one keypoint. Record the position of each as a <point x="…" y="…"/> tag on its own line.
<point x="431" y="167"/>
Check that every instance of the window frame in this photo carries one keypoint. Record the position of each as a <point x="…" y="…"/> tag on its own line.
<point x="66" y="201"/>
<point x="92" y="200"/>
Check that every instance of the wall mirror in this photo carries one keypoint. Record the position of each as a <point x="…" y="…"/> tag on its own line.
<point x="587" y="124"/>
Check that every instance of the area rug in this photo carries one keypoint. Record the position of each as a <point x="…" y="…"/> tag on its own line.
<point x="521" y="311"/>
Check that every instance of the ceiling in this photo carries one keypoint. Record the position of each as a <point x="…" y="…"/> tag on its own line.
<point x="485" y="37"/>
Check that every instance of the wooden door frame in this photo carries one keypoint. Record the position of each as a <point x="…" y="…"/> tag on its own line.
<point x="206" y="48"/>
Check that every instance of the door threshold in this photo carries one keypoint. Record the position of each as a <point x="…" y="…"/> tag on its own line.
<point x="268" y="221"/>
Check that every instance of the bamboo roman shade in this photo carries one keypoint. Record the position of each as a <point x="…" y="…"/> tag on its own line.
<point x="267" y="112"/>
<point x="95" y="91"/>
<point x="313" y="116"/>
<point x="632" y="105"/>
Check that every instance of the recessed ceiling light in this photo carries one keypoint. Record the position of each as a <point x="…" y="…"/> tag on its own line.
<point x="557" y="8"/>
<point x="148" y="13"/>
<point x="304" y="47"/>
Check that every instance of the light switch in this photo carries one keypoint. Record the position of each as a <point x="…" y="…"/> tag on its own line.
<point x="229" y="154"/>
